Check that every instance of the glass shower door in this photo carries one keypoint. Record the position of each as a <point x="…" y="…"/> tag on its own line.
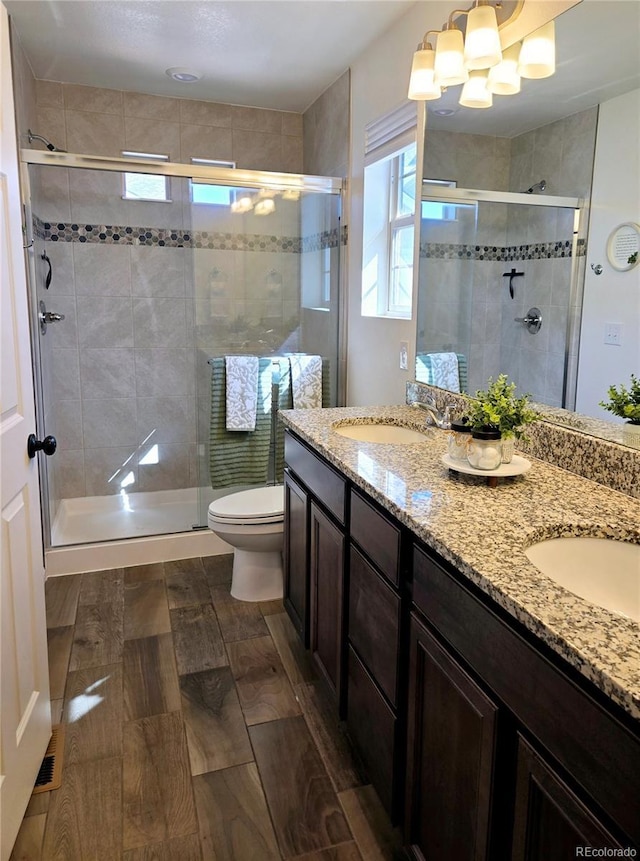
<point x="265" y="268"/>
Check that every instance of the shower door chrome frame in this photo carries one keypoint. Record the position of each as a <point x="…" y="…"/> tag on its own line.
<point x="218" y="175"/>
<point x="446" y="194"/>
<point x="240" y="178"/>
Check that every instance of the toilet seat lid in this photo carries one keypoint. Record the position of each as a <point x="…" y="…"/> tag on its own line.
<point x="265" y="504"/>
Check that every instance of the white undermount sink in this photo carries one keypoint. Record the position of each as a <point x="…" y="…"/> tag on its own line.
<point x="600" y="570"/>
<point x="382" y="433"/>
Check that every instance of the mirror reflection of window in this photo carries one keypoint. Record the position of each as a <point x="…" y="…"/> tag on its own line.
<point x="388" y="241"/>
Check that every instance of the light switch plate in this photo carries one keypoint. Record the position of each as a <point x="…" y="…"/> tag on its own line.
<point x="613" y="334"/>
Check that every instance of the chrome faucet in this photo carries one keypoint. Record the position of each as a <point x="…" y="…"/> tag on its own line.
<point x="434" y="416"/>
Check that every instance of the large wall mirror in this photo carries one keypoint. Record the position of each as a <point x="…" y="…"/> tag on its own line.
<point x="505" y="210"/>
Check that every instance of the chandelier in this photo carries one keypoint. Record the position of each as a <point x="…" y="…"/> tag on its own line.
<point x="476" y="59"/>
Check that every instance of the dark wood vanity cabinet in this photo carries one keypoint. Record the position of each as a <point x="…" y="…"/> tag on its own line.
<point x="296" y="555"/>
<point x="327" y="579"/>
<point x="375" y="701"/>
<point x="475" y="734"/>
<point x="315" y="560"/>
<point x="452" y="727"/>
<point x="550" y="821"/>
<point x="503" y="738"/>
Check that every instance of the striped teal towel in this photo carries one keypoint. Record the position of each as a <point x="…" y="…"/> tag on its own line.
<point x="239" y="457"/>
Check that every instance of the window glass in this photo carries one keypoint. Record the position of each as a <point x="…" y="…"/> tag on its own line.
<point x="217" y="195"/>
<point x="146" y="186"/>
<point x="389" y="209"/>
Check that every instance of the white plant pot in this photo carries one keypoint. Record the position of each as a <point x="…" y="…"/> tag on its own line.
<point x="631" y="435"/>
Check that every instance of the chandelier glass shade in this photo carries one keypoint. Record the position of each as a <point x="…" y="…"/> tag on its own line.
<point x="477" y="60"/>
<point x="538" y="53"/>
<point x="482" y="41"/>
<point x="475" y="93"/>
<point x="422" y="84"/>
<point x="449" y="62"/>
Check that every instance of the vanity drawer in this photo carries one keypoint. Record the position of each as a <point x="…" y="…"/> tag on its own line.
<point x="377" y="535"/>
<point x="325" y="483"/>
<point x="374" y="623"/>
<point x="372" y="729"/>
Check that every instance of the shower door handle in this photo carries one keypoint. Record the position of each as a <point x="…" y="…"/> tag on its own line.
<point x="48" y="445"/>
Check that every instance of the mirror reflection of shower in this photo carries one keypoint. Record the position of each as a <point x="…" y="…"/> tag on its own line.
<point x="464" y="310"/>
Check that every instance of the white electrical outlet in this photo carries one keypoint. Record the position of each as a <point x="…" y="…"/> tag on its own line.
<point x="404" y="356"/>
<point x="613" y="334"/>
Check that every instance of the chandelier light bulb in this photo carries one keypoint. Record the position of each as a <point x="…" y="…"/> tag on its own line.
<point x="265" y="206"/>
<point x="475" y="93"/>
<point x="422" y="84"/>
<point x="482" y="40"/>
<point x="538" y="53"/>
<point x="449" y="61"/>
<point x="504" y="79"/>
<point x="242" y="204"/>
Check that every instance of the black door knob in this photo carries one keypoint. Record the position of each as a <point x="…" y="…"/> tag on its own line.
<point x="48" y="445"/>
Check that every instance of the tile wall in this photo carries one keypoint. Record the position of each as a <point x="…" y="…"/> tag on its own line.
<point x="105" y="122"/>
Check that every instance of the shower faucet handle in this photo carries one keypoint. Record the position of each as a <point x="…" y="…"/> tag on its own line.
<point x="45" y="317"/>
<point x="532" y="320"/>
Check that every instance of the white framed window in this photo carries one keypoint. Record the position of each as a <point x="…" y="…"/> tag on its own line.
<point x="145" y="186"/>
<point x="436" y="210"/>
<point x="389" y="230"/>
<point x="207" y="192"/>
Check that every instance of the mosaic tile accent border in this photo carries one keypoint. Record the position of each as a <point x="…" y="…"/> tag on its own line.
<point x="537" y="251"/>
<point x="110" y="234"/>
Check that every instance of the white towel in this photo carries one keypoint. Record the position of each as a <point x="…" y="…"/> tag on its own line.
<point x="241" y="392"/>
<point x="306" y="381"/>
<point x="444" y="371"/>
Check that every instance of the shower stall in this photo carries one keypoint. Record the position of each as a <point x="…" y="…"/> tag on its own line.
<point x="500" y="279"/>
<point x="141" y="273"/>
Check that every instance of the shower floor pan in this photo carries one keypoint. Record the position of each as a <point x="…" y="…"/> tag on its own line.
<point x="128" y="515"/>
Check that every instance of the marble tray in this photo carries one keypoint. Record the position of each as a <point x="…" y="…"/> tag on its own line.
<point x="517" y="466"/>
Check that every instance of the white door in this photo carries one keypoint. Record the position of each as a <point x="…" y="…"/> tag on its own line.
<point x="25" y="712"/>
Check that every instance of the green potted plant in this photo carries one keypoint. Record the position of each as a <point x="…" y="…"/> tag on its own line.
<point x="497" y="409"/>
<point x="625" y="403"/>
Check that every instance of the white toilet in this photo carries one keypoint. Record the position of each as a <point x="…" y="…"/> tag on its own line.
<point x="252" y="521"/>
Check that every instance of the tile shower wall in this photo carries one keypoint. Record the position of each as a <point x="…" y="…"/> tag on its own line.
<point x="124" y="360"/>
<point x="326" y="152"/>
<point x="472" y="294"/>
<point x="105" y="122"/>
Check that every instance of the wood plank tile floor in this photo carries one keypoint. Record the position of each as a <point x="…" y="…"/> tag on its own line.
<point x="196" y="729"/>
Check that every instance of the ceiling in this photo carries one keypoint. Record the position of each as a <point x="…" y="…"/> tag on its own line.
<point x="282" y="54"/>
<point x="279" y="54"/>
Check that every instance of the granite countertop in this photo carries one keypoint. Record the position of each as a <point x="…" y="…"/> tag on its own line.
<point x="484" y="531"/>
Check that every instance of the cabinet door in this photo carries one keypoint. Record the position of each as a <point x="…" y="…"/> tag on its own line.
<point x="450" y="755"/>
<point x="296" y="556"/>
<point x="327" y="546"/>
<point x="551" y="823"/>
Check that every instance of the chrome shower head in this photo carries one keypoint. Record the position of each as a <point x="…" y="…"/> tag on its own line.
<point x="33" y="137"/>
<point x="538" y="186"/>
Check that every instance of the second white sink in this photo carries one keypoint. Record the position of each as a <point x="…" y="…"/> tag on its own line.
<point x="380" y="432"/>
<point x="600" y="570"/>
